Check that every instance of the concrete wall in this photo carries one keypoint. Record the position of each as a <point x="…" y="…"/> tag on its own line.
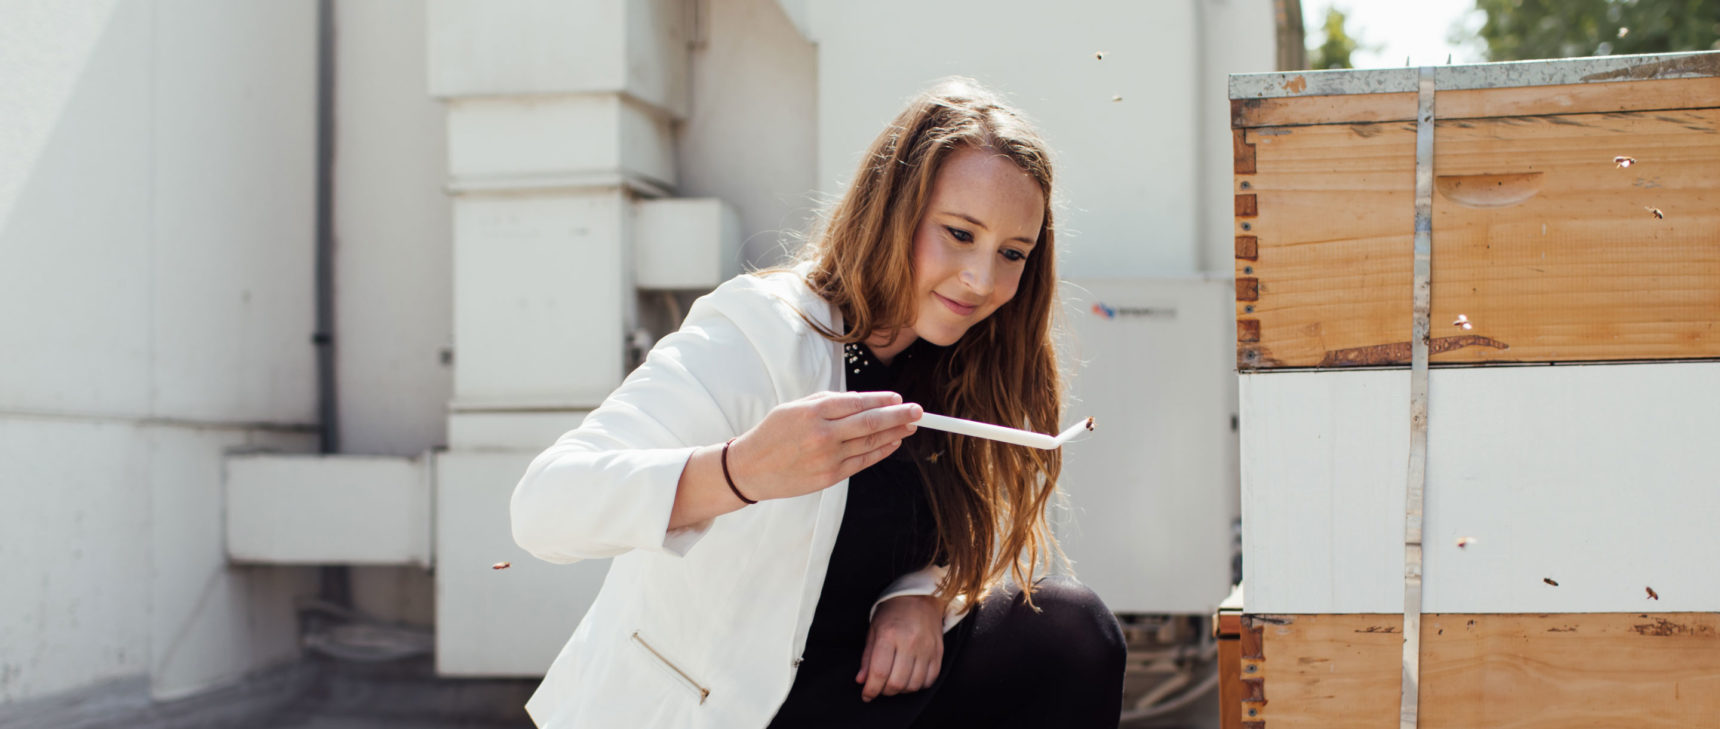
<point x="394" y="317"/>
<point x="750" y="137"/>
<point x="156" y="219"/>
<point x="394" y="259"/>
<point x="1130" y="133"/>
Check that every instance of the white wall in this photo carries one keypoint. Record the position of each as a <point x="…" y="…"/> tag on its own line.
<point x="1144" y="179"/>
<point x="394" y="257"/>
<point x="750" y="137"/>
<point x="156" y="226"/>
<point x="1124" y="168"/>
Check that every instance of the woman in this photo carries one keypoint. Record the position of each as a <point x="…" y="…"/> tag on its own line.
<point x="789" y="551"/>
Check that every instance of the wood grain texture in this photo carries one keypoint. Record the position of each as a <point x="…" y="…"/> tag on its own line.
<point x="1645" y="671"/>
<point x="1568" y="263"/>
<point x="1589" y="98"/>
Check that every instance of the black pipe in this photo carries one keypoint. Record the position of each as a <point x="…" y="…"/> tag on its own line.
<point x="336" y="580"/>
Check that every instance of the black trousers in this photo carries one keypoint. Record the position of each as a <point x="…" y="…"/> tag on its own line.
<point x="1004" y="666"/>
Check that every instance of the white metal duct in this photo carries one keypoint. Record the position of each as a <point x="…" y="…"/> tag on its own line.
<point x="1153" y="490"/>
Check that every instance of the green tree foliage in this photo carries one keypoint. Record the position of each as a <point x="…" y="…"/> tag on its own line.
<point x="1528" y="29"/>
<point x="1335" y="51"/>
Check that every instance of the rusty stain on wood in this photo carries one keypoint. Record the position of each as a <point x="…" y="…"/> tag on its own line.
<point x="1247" y="330"/>
<point x="1246" y="206"/>
<point x="1253" y="357"/>
<point x="1703" y="65"/>
<point x="1663" y="628"/>
<point x="1239" y="109"/>
<point x="1248" y="289"/>
<point x="1248" y="247"/>
<point x="1242" y="153"/>
<point x="1399" y="352"/>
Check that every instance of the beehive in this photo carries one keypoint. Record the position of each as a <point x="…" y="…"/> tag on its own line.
<point x="1558" y="520"/>
<point x="1576" y="214"/>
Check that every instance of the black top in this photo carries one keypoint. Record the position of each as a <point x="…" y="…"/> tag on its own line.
<point x="887" y="531"/>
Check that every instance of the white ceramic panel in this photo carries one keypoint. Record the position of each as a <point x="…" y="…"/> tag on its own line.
<point x="1152" y="488"/>
<point x="313" y="509"/>
<point x="685" y="243"/>
<point x="539" y="285"/>
<point x="490" y="622"/>
<point x="74" y="208"/>
<point x="394" y="283"/>
<point x="232" y="211"/>
<point x="1125" y="168"/>
<point x="1594" y="477"/>
<point x="74" y="536"/>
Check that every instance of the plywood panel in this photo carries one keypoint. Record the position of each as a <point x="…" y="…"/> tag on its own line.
<point x="1598" y="477"/>
<point x="1640" y="670"/>
<point x="1548" y="248"/>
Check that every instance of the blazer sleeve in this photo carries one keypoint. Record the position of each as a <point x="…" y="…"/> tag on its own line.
<point x="607" y="487"/>
<point x="923" y="581"/>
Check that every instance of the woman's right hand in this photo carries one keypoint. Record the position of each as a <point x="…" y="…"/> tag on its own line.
<point x="812" y="443"/>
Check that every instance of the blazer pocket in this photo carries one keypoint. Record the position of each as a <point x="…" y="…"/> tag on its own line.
<point x="657" y="658"/>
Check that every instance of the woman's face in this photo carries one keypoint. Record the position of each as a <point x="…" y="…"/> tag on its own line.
<point x="972" y="244"/>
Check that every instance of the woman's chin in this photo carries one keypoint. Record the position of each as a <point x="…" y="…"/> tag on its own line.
<point x="943" y="336"/>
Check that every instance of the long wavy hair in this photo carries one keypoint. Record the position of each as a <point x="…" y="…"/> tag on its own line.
<point x="988" y="498"/>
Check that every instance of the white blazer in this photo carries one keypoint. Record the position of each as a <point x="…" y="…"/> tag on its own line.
<point x="701" y="626"/>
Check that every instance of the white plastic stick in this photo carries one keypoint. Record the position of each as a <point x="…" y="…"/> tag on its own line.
<point x="997" y="432"/>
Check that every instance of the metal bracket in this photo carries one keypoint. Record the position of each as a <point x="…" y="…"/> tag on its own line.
<point x="1420" y="334"/>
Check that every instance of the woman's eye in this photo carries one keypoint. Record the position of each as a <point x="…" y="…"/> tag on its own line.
<point x="1014" y="255"/>
<point x="960" y="234"/>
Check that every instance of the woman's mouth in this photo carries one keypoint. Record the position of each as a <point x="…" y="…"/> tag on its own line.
<point x="959" y="308"/>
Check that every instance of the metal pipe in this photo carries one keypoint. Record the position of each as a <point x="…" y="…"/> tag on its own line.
<point x="336" y="581"/>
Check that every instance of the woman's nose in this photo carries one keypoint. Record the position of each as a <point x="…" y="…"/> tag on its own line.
<point x="976" y="275"/>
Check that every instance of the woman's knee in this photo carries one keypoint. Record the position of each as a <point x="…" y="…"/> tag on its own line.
<point x="1079" y="620"/>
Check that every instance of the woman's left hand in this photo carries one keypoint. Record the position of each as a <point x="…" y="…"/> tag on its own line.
<point x="905" y="647"/>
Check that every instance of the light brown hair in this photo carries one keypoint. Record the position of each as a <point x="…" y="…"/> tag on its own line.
<point x="988" y="498"/>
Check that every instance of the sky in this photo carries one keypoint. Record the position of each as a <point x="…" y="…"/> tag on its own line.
<point x="1391" y="30"/>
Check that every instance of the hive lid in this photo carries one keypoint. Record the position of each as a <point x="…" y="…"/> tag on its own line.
<point x="1599" y="69"/>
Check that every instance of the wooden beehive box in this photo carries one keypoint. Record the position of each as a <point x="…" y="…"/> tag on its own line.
<point x="1569" y="522"/>
<point x="1552" y="250"/>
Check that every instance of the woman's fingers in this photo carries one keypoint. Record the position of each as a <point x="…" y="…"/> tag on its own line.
<point x="878" y="674"/>
<point x="917" y="680"/>
<point x="877" y="420"/>
<point x="839" y="405"/>
<point x="901" y="674"/>
<point x="866" y="656"/>
<point x="855" y="464"/>
<point x="874" y="441"/>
